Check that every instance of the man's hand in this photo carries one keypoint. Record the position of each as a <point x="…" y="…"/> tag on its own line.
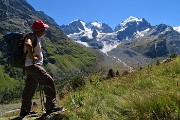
<point x="35" y="58"/>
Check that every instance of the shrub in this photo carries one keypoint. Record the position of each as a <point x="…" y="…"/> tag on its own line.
<point x="117" y="73"/>
<point x="173" y="55"/>
<point x="77" y="100"/>
<point x="77" y="82"/>
<point x="125" y="72"/>
<point x="111" y="73"/>
<point x="95" y="80"/>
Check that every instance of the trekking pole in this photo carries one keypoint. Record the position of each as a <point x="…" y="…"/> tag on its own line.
<point x="41" y="97"/>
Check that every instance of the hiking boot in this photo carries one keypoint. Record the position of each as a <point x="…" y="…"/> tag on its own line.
<point x="55" y="109"/>
<point x="23" y="114"/>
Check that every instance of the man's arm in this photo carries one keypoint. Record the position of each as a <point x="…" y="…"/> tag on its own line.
<point x="29" y="47"/>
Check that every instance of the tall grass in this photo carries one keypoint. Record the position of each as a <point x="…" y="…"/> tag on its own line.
<point x="151" y="93"/>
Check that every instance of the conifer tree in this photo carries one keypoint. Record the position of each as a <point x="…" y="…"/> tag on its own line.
<point x="111" y="73"/>
<point x="117" y="73"/>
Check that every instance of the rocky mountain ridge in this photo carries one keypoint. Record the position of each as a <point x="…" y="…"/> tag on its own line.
<point x="101" y="36"/>
<point x="134" y="40"/>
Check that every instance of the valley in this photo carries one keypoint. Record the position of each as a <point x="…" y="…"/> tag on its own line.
<point x="100" y="72"/>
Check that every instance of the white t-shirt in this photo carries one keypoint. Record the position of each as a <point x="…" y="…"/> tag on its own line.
<point x="37" y="52"/>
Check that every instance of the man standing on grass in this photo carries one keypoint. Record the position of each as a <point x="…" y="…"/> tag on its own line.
<point x="36" y="74"/>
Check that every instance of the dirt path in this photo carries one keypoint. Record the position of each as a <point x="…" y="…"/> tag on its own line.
<point x="12" y="107"/>
<point x="7" y="108"/>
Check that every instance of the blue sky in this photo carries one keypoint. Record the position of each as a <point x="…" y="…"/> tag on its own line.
<point x="112" y="12"/>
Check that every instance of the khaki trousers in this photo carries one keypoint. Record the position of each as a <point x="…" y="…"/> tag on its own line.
<point x="36" y="74"/>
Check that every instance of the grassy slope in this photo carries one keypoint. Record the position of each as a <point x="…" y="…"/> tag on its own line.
<point x="143" y="46"/>
<point x="69" y="57"/>
<point x="146" y="94"/>
<point x="150" y="93"/>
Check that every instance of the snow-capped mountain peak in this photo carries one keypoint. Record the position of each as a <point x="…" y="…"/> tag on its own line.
<point x="130" y="27"/>
<point x="77" y="20"/>
<point x="133" y="22"/>
<point x="99" y="35"/>
<point x="97" y="24"/>
<point x="95" y="34"/>
<point x="75" y="26"/>
<point x="130" y="19"/>
<point x="177" y="28"/>
<point x="84" y="25"/>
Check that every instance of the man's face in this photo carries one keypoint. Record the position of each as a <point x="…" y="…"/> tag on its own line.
<point x="42" y="32"/>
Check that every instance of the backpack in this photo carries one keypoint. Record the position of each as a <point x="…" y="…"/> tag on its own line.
<point x="15" y="48"/>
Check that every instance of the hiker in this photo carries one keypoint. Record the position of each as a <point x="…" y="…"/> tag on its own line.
<point x="36" y="74"/>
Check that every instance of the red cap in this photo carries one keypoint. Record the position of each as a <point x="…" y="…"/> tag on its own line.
<point x="39" y="24"/>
